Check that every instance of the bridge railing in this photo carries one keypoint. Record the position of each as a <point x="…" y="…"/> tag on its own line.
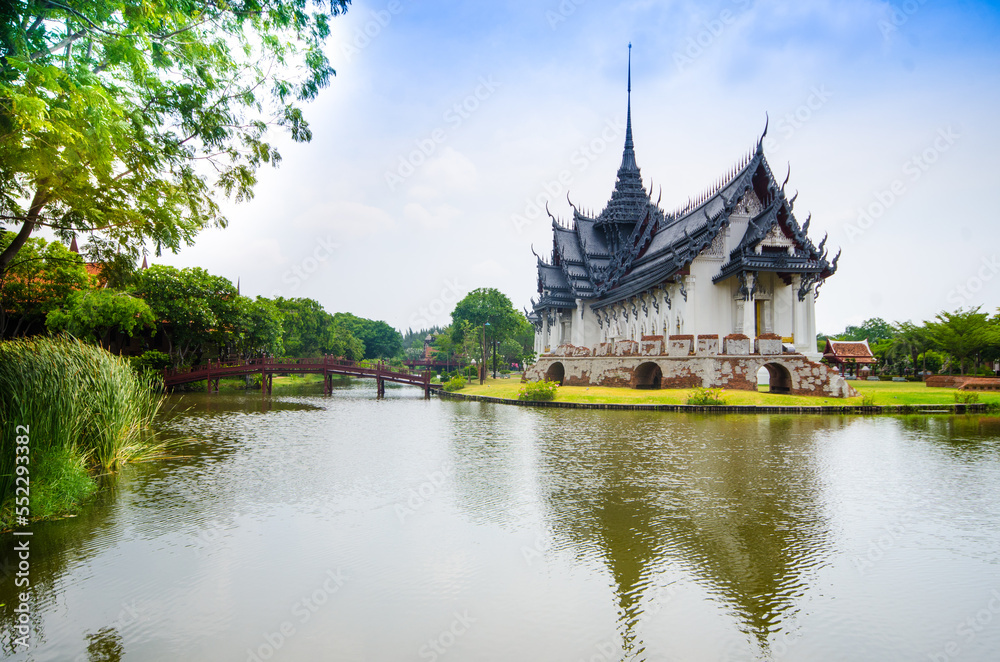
<point x="276" y="364"/>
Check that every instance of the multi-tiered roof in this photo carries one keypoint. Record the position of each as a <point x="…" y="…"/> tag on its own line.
<point x="633" y="245"/>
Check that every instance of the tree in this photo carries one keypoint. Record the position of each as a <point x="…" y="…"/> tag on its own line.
<point x="95" y="314"/>
<point x="185" y="303"/>
<point x="258" y="331"/>
<point x="39" y="281"/>
<point x="304" y="326"/>
<point x="444" y="348"/>
<point x="311" y="331"/>
<point x="913" y="340"/>
<point x="491" y="314"/>
<point x="890" y="355"/>
<point x="341" y="342"/>
<point x="872" y="330"/>
<point x="511" y="351"/>
<point x="113" y="113"/>
<point x="962" y="334"/>
<point x="381" y="340"/>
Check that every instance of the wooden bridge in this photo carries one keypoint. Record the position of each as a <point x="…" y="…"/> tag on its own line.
<point x="328" y="366"/>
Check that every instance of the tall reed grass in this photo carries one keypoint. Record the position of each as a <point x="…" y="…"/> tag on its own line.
<point x="87" y="412"/>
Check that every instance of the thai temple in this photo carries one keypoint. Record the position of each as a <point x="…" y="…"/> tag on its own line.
<point x="701" y="296"/>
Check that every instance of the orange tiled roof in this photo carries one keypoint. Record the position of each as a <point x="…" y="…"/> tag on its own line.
<point x="846" y="349"/>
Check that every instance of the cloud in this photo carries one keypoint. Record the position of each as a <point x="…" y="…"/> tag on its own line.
<point x="438" y="219"/>
<point x="344" y="219"/>
<point x="449" y="172"/>
<point x="489" y="273"/>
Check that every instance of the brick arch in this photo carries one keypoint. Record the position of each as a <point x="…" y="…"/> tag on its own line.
<point x="780" y="377"/>
<point x="556" y="373"/>
<point x="647" y="375"/>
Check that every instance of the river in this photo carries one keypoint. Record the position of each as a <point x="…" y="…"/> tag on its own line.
<point x="346" y="528"/>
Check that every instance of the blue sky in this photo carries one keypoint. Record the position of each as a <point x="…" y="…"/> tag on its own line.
<point x="448" y="122"/>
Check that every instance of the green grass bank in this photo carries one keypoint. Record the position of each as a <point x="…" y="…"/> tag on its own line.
<point x="878" y="393"/>
<point x="69" y="413"/>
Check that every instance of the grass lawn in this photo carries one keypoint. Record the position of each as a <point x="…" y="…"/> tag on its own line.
<point x="884" y="393"/>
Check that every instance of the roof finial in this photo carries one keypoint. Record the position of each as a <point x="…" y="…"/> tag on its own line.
<point x="628" y="158"/>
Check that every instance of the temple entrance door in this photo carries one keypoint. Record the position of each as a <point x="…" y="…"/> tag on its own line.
<point x="758" y="315"/>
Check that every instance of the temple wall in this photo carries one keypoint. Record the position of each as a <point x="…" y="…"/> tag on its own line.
<point x="709" y="309"/>
<point x="579" y="368"/>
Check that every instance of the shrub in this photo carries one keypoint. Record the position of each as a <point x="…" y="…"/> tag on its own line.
<point x="538" y="391"/>
<point x="706" y="396"/>
<point x="966" y="397"/>
<point x="868" y="400"/>
<point x="455" y="384"/>
<point x="151" y="360"/>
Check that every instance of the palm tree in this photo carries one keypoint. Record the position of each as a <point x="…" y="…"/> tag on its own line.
<point x="913" y="340"/>
<point x="962" y="334"/>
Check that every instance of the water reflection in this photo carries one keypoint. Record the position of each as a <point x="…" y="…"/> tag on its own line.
<point x="713" y="496"/>
<point x="105" y="645"/>
<point x="665" y="536"/>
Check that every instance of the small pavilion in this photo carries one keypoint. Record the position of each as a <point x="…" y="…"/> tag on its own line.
<point x="849" y="355"/>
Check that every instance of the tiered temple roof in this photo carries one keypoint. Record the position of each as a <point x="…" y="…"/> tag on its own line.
<point x="634" y="245"/>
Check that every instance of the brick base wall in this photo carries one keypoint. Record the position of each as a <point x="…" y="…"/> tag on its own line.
<point x="731" y="372"/>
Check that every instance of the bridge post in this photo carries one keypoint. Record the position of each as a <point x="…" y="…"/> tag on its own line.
<point x="427" y="384"/>
<point x="208" y="377"/>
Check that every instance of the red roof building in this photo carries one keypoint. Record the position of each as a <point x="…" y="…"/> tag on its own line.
<point x="847" y="355"/>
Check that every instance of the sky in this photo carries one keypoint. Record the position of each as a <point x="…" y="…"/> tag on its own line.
<point x="449" y="125"/>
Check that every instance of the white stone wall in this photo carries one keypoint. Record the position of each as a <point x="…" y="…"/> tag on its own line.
<point x="710" y="309"/>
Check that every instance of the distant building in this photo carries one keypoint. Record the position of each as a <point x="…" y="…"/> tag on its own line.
<point x="848" y="356"/>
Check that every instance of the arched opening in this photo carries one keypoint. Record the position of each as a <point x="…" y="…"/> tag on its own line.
<point x="763" y="380"/>
<point x="555" y="373"/>
<point x="779" y="378"/>
<point x="648" y="375"/>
